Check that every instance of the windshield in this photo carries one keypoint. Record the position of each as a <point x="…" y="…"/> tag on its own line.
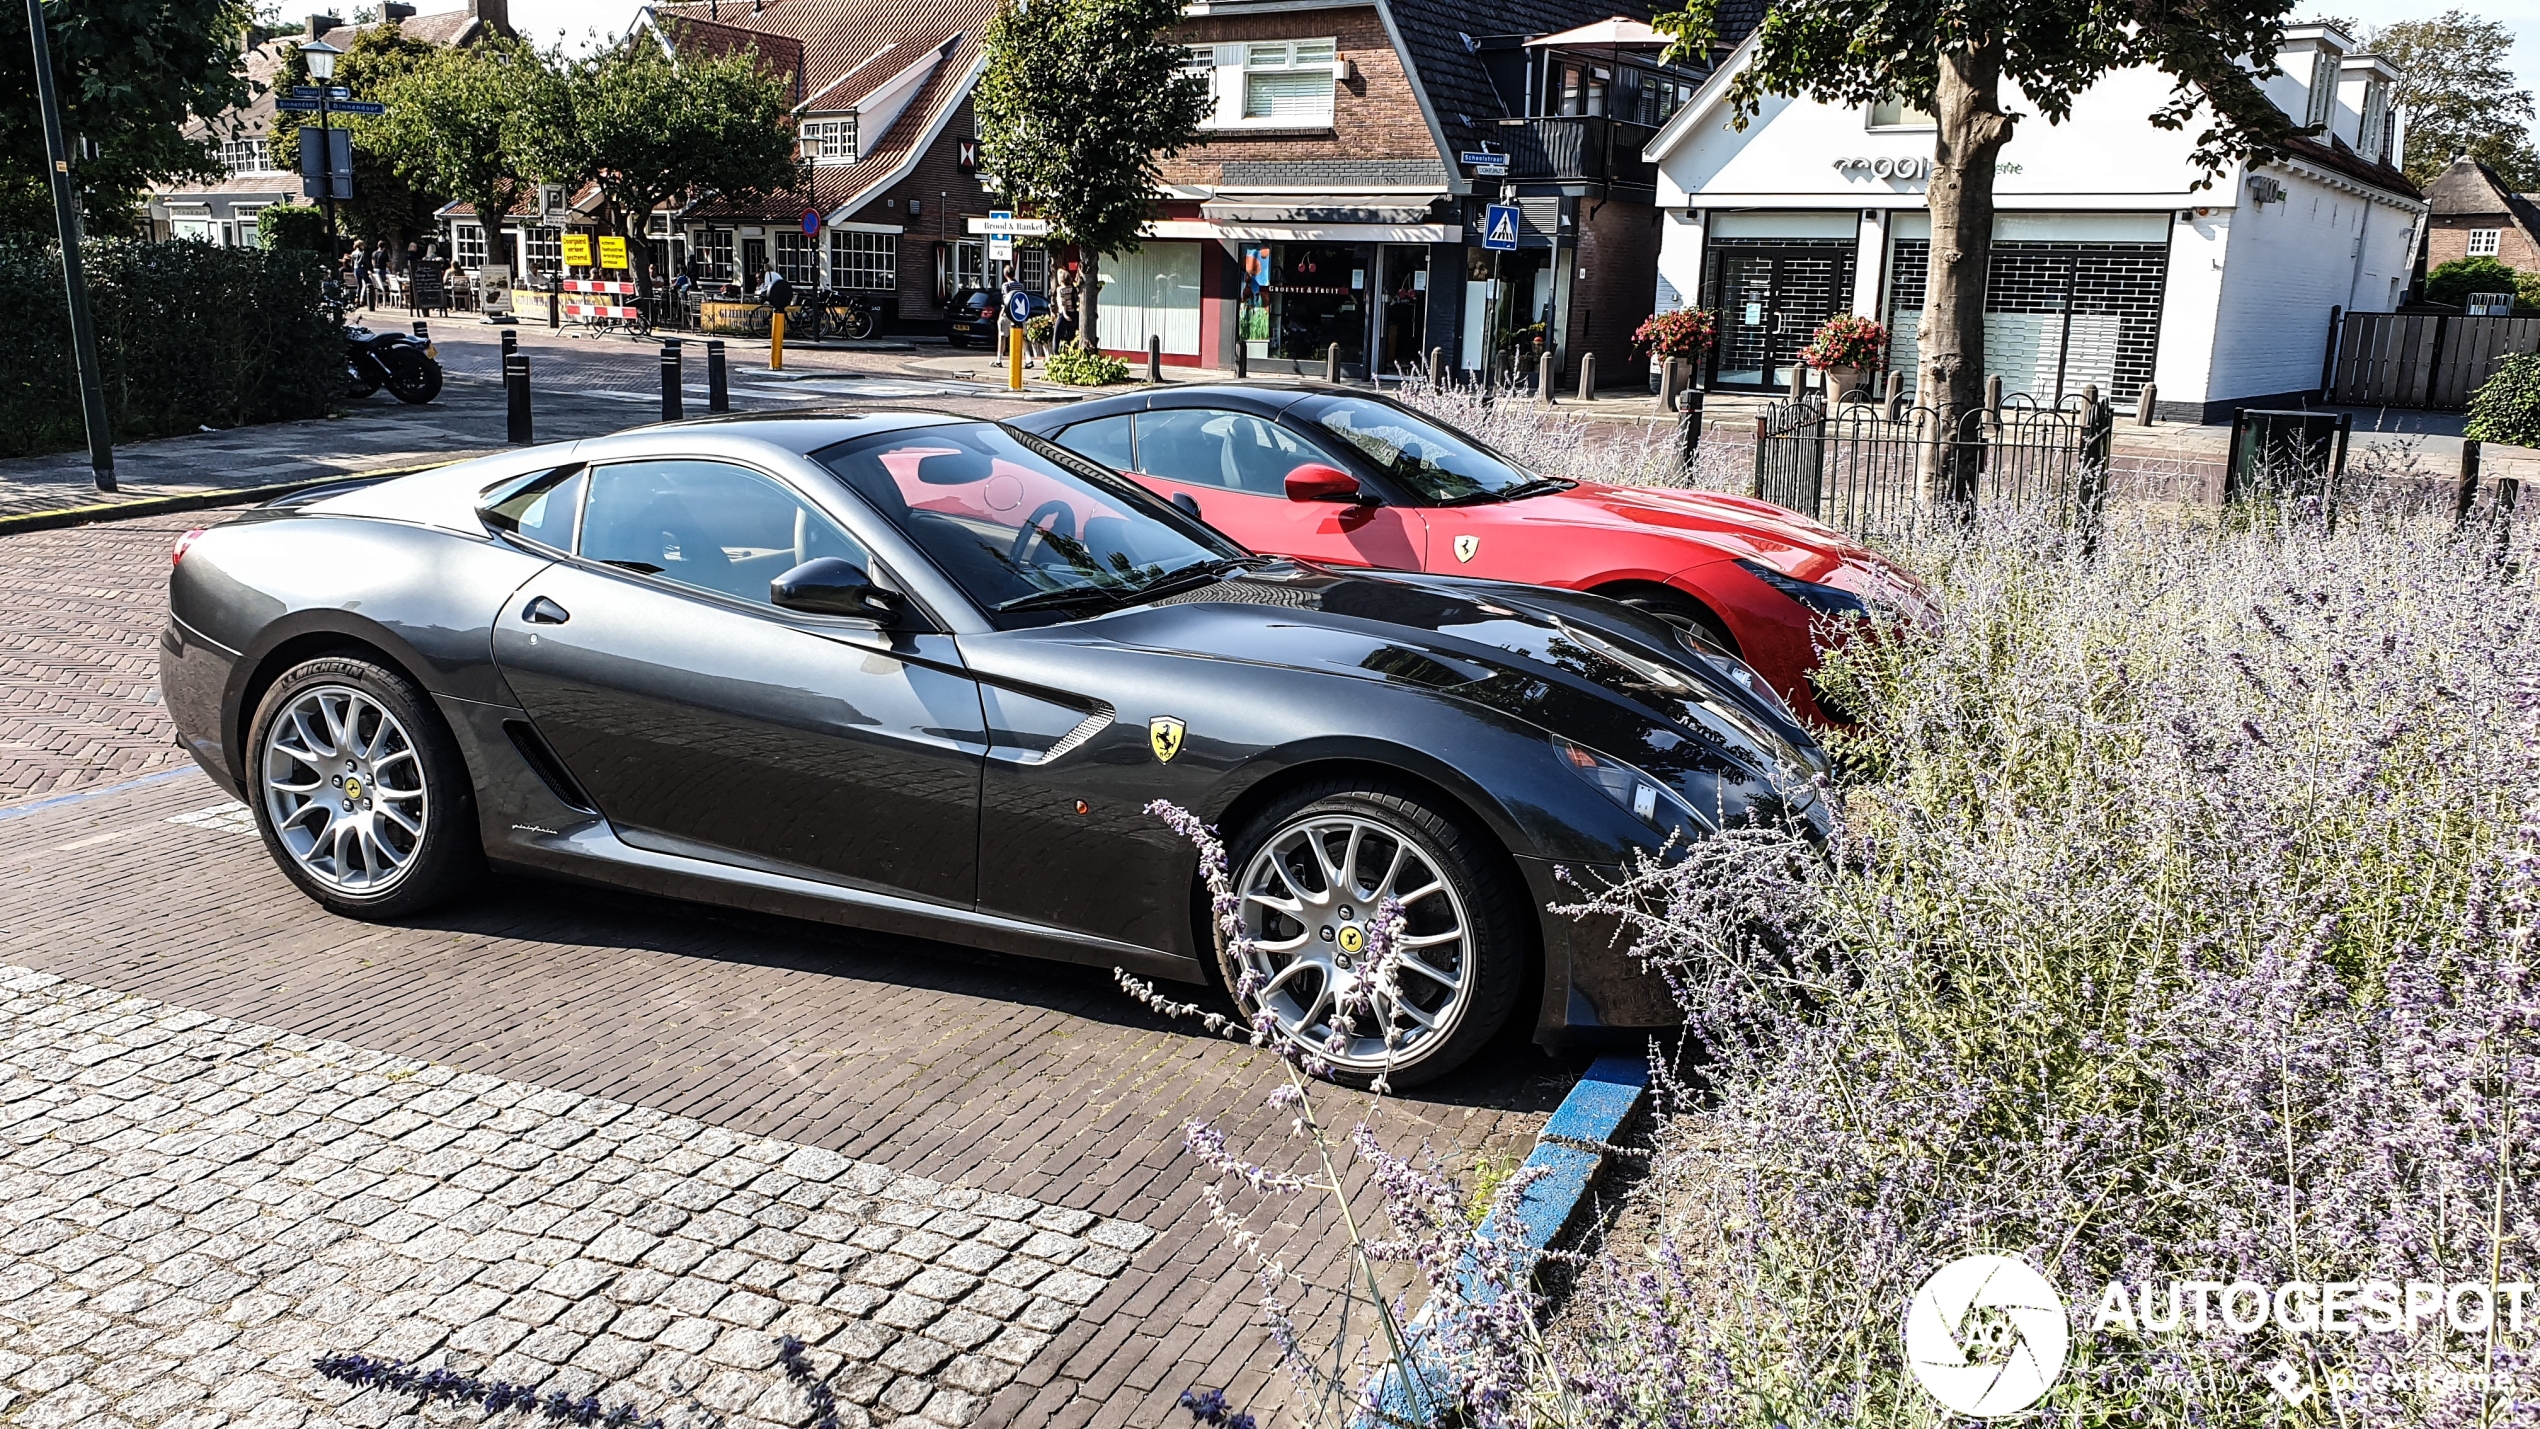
<point x="1439" y="466"/>
<point x="1015" y="526"/>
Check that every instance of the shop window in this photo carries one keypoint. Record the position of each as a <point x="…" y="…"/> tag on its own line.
<point x="1897" y="114"/>
<point x="798" y="258"/>
<point x="969" y="265"/>
<point x="467" y="245"/>
<point x="711" y="250"/>
<point x="2483" y="242"/>
<point x="866" y="261"/>
<point x="545" y="249"/>
<point x="1290" y="81"/>
<point x="1299" y="299"/>
<point x="829" y="140"/>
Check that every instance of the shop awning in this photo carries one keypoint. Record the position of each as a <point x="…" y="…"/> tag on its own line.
<point x="1260" y="212"/>
<point x="1268" y="222"/>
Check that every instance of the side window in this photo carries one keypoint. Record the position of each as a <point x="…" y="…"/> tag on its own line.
<point x="705" y="524"/>
<point x="541" y="510"/>
<point x="1105" y="439"/>
<point x="1235" y="450"/>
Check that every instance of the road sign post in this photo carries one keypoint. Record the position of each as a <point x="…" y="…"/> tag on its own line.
<point x="92" y="384"/>
<point x="1501" y="223"/>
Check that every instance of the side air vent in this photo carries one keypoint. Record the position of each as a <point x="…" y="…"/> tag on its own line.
<point x="550" y="770"/>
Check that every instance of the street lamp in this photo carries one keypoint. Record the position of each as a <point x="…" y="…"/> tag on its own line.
<point x="321" y="60"/>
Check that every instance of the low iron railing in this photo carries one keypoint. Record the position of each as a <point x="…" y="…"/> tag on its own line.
<point x="1873" y="469"/>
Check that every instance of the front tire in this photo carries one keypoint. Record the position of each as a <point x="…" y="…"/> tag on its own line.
<point x="1314" y="870"/>
<point x="360" y="792"/>
<point x="414" y="378"/>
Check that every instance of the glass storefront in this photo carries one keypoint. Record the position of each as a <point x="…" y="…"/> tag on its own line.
<point x="1518" y="310"/>
<point x="1771" y="296"/>
<point x="1299" y="299"/>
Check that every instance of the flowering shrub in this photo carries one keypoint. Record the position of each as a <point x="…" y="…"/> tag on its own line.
<point x="1554" y="443"/>
<point x="2177" y="929"/>
<point x="1680" y="332"/>
<point x="1845" y="341"/>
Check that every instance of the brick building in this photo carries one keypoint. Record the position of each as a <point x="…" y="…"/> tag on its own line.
<point x="2477" y="216"/>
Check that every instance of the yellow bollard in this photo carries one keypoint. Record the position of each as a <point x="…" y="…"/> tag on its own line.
<point x="1014" y="362"/>
<point x="776" y="342"/>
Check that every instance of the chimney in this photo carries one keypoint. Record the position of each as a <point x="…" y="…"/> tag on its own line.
<point x="320" y="24"/>
<point x="494" y="15"/>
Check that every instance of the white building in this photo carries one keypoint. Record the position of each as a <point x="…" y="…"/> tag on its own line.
<point x="2110" y="266"/>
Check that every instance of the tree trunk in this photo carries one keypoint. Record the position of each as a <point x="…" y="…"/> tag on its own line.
<point x="1972" y="131"/>
<point x="1088" y="299"/>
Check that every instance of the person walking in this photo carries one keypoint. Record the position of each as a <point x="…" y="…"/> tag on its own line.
<point x="414" y="265"/>
<point x="361" y="275"/>
<point x="379" y="274"/>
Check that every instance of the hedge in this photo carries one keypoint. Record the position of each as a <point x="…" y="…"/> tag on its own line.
<point x="2506" y="407"/>
<point x="189" y="335"/>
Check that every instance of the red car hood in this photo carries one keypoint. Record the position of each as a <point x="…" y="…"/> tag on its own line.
<point x="1736" y="526"/>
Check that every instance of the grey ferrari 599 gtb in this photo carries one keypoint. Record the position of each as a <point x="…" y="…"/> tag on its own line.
<point x="926" y="674"/>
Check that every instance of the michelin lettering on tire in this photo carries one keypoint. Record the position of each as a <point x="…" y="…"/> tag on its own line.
<point x="1986" y="1335"/>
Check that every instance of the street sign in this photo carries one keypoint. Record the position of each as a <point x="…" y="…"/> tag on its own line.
<point x="1482" y="156"/>
<point x="1001" y="224"/>
<point x="811" y="222"/>
<point x="1499" y="228"/>
<point x="1001" y="249"/>
<point x="1490" y="171"/>
<point x="357" y="106"/>
<point x="577" y="250"/>
<point x="612" y="251"/>
<point x="326" y="163"/>
<point x="304" y="106"/>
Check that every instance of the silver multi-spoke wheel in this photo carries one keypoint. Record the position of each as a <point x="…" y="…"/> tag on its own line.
<point x="344" y="789"/>
<point x="1313" y="896"/>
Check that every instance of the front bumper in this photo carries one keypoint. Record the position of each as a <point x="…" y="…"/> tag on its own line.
<point x="1595" y="994"/>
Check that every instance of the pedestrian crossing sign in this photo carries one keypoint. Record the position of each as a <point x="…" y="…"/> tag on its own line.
<point x="1499" y="228"/>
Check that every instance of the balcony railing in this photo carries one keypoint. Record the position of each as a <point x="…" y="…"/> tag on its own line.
<point x="1578" y="149"/>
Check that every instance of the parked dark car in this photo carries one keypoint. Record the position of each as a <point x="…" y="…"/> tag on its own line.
<point x="972" y="316"/>
<point x="926" y="674"/>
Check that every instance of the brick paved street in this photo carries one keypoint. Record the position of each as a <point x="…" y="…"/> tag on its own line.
<point x="1000" y="1075"/>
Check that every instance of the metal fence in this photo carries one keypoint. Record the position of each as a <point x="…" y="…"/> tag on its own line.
<point x="1874" y="469"/>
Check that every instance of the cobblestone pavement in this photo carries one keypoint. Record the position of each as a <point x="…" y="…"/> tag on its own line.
<point x="196" y="1208"/>
<point x="1003" y="1075"/>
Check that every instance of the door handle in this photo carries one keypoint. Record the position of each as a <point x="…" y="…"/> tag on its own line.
<point x="542" y="611"/>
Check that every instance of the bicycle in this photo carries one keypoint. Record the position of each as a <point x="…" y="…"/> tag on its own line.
<point x="827" y="313"/>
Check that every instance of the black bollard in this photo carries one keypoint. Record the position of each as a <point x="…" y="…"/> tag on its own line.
<point x="1689" y="426"/>
<point x="555" y="318"/>
<point x="516" y="387"/>
<point x="1243" y="360"/>
<point x="671" y="407"/>
<point x="511" y="343"/>
<point x="1155" y="358"/>
<point x="718" y="392"/>
<point x="423" y="332"/>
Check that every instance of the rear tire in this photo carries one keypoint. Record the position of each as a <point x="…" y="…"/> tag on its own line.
<point x="414" y="378"/>
<point x="1466" y="940"/>
<point x="1680" y="610"/>
<point x="360" y="792"/>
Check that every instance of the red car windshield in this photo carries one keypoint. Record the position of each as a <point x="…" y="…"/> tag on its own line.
<point x="1439" y="466"/>
<point x="1013" y="525"/>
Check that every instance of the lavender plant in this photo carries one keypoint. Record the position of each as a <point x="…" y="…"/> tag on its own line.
<point x="1558" y="442"/>
<point x="2177" y="928"/>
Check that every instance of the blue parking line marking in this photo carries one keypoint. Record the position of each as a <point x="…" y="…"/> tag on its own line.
<point x="20" y="811"/>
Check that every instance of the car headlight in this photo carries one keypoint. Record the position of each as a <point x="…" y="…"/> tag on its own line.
<point x="1823" y="599"/>
<point x="1649" y="800"/>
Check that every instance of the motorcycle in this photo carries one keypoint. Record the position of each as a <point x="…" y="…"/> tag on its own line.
<point x="400" y="362"/>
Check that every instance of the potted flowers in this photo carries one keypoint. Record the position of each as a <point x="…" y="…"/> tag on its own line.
<point x="1681" y="332"/>
<point x="1846" y="348"/>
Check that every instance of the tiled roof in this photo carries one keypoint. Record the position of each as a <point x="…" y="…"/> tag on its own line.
<point x="842" y="51"/>
<point x="2336" y="155"/>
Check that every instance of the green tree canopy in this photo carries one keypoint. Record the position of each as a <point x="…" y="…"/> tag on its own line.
<point x="132" y="74"/>
<point x="1954" y="57"/>
<point x="459" y="123"/>
<point x="1080" y="100"/>
<point x="647" y="128"/>
<point x="2460" y="95"/>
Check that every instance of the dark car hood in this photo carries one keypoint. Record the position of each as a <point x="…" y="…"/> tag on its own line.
<point x="1573" y="665"/>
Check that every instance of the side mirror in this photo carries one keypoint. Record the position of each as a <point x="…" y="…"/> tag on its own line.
<point x="829" y="585"/>
<point x="1317" y="482"/>
<point x="1189" y="505"/>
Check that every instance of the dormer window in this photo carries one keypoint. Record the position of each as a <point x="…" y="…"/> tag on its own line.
<point x="828" y="140"/>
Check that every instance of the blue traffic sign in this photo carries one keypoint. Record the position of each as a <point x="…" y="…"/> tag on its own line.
<point x="1499" y="228"/>
<point x="1482" y="156"/>
<point x="1019" y="307"/>
<point x="811" y="221"/>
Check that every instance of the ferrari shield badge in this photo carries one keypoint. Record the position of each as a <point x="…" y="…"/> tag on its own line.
<point x="1465" y="546"/>
<point x="1164" y="734"/>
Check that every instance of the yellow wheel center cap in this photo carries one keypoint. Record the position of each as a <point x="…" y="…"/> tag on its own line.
<point x="352" y="788"/>
<point x="1352" y="941"/>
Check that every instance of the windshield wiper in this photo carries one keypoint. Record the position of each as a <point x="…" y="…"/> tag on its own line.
<point x="1196" y="573"/>
<point x="1536" y="487"/>
<point x="1065" y="596"/>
